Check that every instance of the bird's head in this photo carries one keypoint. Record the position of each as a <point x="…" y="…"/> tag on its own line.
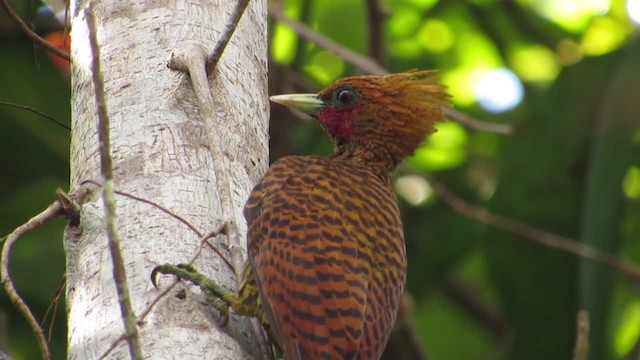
<point x="389" y="114"/>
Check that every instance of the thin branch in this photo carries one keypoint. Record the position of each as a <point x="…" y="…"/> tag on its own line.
<point x="627" y="269"/>
<point x="52" y="211"/>
<point x="369" y="66"/>
<point x="33" y="26"/>
<point x="222" y="230"/>
<point x="377" y="15"/>
<point x="108" y="197"/>
<point x="34" y="110"/>
<point x="4" y="334"/>
<point x="30" y="33"/>
<point x="474" y="123"/>
<point x="141" y="317"/>
<point x="154" y="204"/>
<point x="173" y="215"/>
<point x="204" y="238"/>
<point x="361" y="62"/>
<point x="534" y="26"/>
<point x="226" y="35"/>
<point x="581" y="349"/>
<point x="53" y="306"/>
<point x="155" y="300"/>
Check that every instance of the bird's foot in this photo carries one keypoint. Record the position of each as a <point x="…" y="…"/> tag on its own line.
<point x="216" y="295"/>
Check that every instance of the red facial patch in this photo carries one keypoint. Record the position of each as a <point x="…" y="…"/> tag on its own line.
<point x="338" y="122"/>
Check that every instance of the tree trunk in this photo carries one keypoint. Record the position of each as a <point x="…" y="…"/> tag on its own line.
<point x="160" y="153"/>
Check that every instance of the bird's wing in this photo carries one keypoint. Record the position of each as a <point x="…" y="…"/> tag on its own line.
<point x="308" y="248"/>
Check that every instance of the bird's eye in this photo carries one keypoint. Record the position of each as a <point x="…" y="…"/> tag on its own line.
<point x="345" y="97"/>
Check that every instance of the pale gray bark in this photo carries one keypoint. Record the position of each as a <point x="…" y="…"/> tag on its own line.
<point x="160" y="153"/>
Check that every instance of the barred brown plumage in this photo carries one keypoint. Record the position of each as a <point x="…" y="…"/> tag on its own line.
<point x="325" y="238"/>
<point x="327" y="249"/>
<point x="327" y="261"/>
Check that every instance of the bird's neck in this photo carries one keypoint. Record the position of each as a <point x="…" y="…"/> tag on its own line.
<point x="377" y="158"/>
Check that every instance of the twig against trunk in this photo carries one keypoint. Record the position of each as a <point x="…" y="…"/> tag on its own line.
<point x="173" y="215"/>
<point x="226" y="35"/>
<point x="108" y="197"/>
<point x="141" y="317"/>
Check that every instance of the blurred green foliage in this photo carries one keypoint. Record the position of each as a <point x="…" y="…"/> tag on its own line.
<point x="570" y="168"/>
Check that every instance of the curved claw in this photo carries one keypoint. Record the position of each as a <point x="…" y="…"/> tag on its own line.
<point x="154" y="276"/>
<point x="181" y="271"/>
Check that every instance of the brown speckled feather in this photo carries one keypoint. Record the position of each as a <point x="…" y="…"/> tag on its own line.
<point x="326" y="247"/>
